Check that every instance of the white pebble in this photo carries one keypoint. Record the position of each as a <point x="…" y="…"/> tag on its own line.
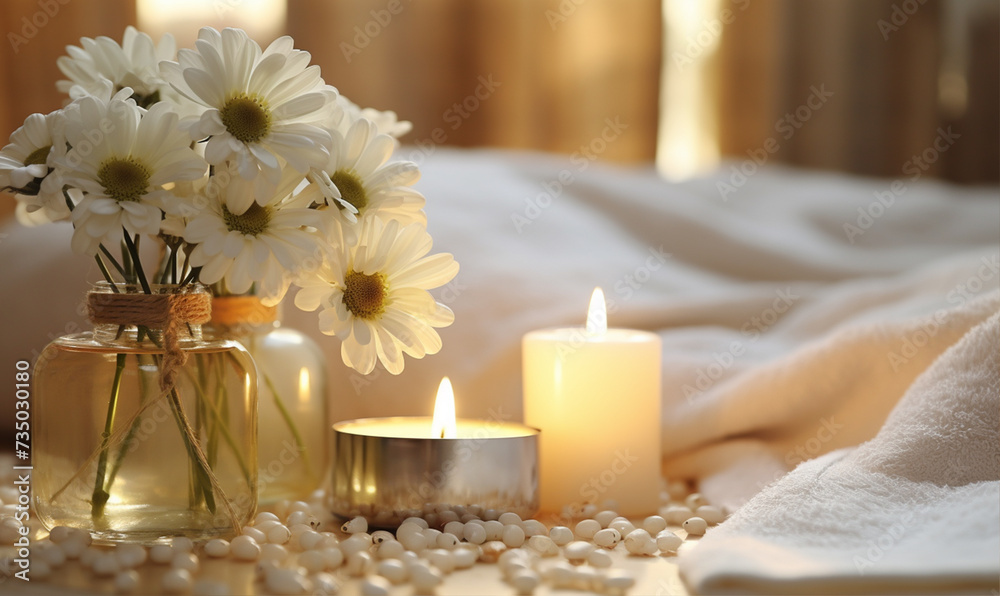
<point x="474" y="533"/>
<point x="126" y="582"/>
<point x="623" y="526"/>
<point x="182" y="544"/>
<point x="654" y="524"/>
<point x="187" y="561"/>
<point x="639" y="542"/>
<point x="561" y="535"/>
<point x="455" y="528"/>
<point x="587" y="528"/>
<point x="695" y="500"/>
<point x="600" y="559"/>
<point x="578" y="550"/>
<point x="302" y="517"/>
<point x="393" y="570"/>
<point x="278" y="534"/>
<point x="494" y="530"/>
<point x="375" y="586"/>
<point x="695" y="526"/>
<point x="130" y="556"/>
<point x="668" y="542"/>
<point x="491" y="551"/>
<point x="414" y="541"/>
<point x="560" y="575"/>
<point x="390" y="549"/>
<point x="273" y="552"/>
<point x="446" y="517"/>
<point x="442" y="559"/>
<point x="359" y="564"/>
<point x="355" y="525"/>
<point x="264" y="516"/>
<point x="285" y="582"/>
<point x="605" y="517"/>
<point x="446" y="541"/>
<point x="677" y="514"/>
<point x="325" y="583"/>
<point x="513" y="535"/>
<point x="380" y="536"/>
<point x="245" y="548"/>
<point x="259" y="536"/>
<point x="176" y="581"/>
<point x="543" y="545"/>
<point x="607" y="538"/>
<point x="509" y="517"/>
<point x="161" y="554"/>
<point x="465" y="557"/>
<point x="105" y="565"/>
<point x="425" y="580"/>
<point x="311" y="540"/>
<point x="217" y="547"/>
<point x="431" y="534"/>
<point x="525" y="581"/>
<point x="311" y="560"/>
<point x="267" y="524"/>
<point x="533" y="527"/>
<point x="711" y="514"/>
<point x="415" y="520"/>
<point x="355" y="544"/>
<point x="59" y="534"/>
<point x="332" y="557"/>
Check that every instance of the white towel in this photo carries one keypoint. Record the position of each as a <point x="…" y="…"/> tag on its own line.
<point x="915" y="509"/>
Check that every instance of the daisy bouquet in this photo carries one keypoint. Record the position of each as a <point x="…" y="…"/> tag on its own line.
<point x="250" y="173"/>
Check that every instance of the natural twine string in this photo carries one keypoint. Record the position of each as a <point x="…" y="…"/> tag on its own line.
<point x="154" y="311"/>
<point x="166" y="312"/>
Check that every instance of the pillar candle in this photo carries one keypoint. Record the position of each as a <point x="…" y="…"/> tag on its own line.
<point x="595" y="394"/>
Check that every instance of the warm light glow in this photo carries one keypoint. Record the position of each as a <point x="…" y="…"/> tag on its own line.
<point x="263" y="20"/>
<point x="443" y="425"/>
<point x="304" y="384"/>
<point x="597" y="314"/>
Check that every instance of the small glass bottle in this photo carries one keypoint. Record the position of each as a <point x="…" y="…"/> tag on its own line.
<point x="293" y="440"/>
<point x="117" y="456"/>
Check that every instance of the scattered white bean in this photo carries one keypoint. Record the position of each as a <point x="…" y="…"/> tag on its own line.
<point x="425" y="580"/>
<point x="380" y="536"/>
<point x="605" y="517"/>
<point x="105" y="565"/>
<point x="525" y="581"/>
<point x="273" y="552"/>
<point x="125" y="582"/>
<point x="442" y="559"/>
<point x="543" y="545"/>
<point x="623" y="526"/>
<point x="355" y="525"/>
<point x="695" y="500"/>
<point x="390" y="549"/>
<point x="561" y="535"/>
<point x="491" y="551"/>
<point x="677" y="514"/>
<point x="264" y="516"/>
<point x="325" y="583"/>
<point x="509" y="517"/>
<point x="587" y="528"/>
<point x="695" y="526"/>
<point x="668" y="542"/>
<point x="311" y="560"/>
<point x="187" y="561"/>
<point x="359" y="564"/>
<point x="176" y="581"/>
<point x="182" y="544"/>
<point x="283" y="581"/>
<point x="607" y="538"/>
<point x="393" y="570"/>
<point x="161" y="553"/>
<point x="711" y="514"/>
<point x="639" y="542"/>
<point x="258" y="536"/>
<point x="513" y="535"/>
<point x="333" y="557"/>
<point x="578" y="551"/>
<point x="244" y="548"/>
<point x="59" y="534"/>
<point x="130" y="556"/>
<point x="654" y="524"/>
<point x="617" y="581"/>
<point x="474" y="533"/>
<point x="278" y="534"/>
<point x="599" y="558"/>
<point x="465" y="557"/>
<point x="494" y="530"/>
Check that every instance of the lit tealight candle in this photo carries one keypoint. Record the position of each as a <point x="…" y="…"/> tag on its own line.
<point x="595" y="394"/>
<point x="388" y="469"/>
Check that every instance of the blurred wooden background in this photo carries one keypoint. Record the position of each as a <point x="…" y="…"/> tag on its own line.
<point x="565" y="67"/>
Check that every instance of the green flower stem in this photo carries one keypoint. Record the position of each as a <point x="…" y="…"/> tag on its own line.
<point x="114" y="262"/>
<point x="101" y="496"/>
<point x="299" y="443"/>
<point x="130" y="435"/>
<point x="203" y="485"/>
<point x="224" y="427"/>
<point x="133" y="249"/>
<point x="106" y="273"/>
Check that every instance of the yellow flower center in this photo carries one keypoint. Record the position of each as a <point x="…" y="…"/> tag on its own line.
<point x="38" y="156"/>
<point x="246" y="117"/>
<point x="123" y="178"/>
<point x="365" y="295"/>
<point x="251" y="222"/>
<point x="351" y="188"/>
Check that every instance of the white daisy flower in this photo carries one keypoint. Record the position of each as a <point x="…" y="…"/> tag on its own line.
<point x="122" y="157"/>
<point x="26" y="169"/>
<point x="265" y="245"/>
<point x="261" y="107"/>
<point x="387" y="122"/>
<point x="135" y="64"/>
<point x="374" y="295"/>
<point x="358" y="179"/>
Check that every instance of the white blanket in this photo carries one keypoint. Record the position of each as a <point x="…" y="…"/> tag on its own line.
<point x="780" y="305"/>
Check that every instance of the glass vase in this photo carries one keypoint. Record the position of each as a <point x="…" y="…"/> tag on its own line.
<point x="130" y="461"/>
<point x="294" y="430"/>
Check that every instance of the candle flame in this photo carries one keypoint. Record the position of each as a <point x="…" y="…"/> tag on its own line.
<point x="597" y="314"/>
<point x="444" y="425"/>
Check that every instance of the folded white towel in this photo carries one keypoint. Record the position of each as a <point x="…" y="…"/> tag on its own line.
<point x="915" y="509"/>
